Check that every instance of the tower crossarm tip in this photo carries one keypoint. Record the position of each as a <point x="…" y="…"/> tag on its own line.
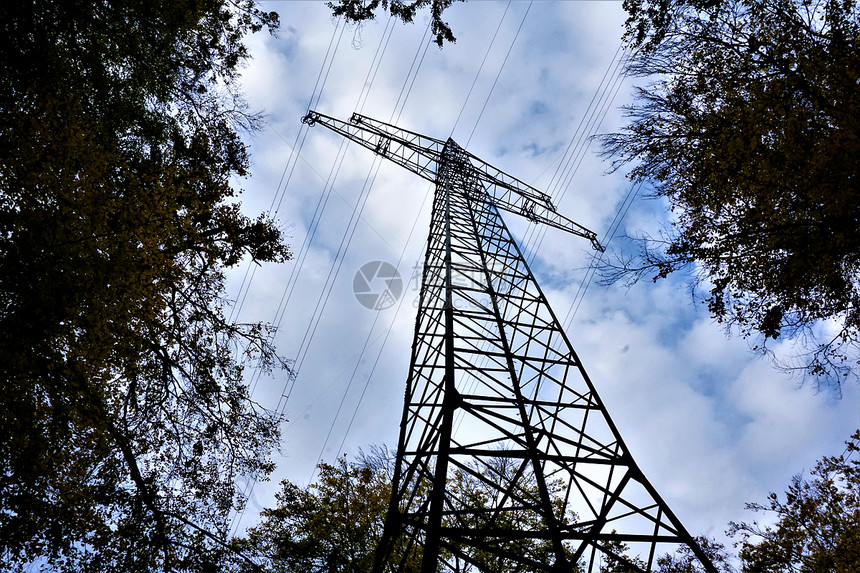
<point x="310" y="118"/>
<point x="538" y="213"/>
<point x="422" y="155"/>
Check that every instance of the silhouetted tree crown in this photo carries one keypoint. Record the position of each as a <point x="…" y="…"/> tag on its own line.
<point x="749" y="128"/>
<point x="358" y="11"/>
<point x="335" y="525"/>
<point x="125" y="417"/>
<point x="817" y="527"/>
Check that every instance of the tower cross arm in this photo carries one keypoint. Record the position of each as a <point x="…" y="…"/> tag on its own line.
<point x="507" y="185"/>
<point x="417" y="153"/>
<point x="423" y="155"/>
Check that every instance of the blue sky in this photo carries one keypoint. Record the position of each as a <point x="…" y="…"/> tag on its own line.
<point x="711" y="425"/>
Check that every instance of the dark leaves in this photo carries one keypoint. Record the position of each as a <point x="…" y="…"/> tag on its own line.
<point x="126" y="417"/>
<point x="750" y="129"/>
<point x="361" y="10"/>
<point x="817" y="525"/>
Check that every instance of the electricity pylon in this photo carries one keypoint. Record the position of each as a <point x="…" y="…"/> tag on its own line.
<point x="507" y="459"/>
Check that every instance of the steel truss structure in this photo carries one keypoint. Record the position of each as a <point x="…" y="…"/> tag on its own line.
<point x="507" y="459"/>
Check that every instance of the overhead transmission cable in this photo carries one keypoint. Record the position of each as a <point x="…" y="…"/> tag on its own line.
<point x="623" y="207"/>
<point x="283" y="184"/>
<point x="597" y="257"/>
<point x="351" y="227"/>
<point x="578" y="146"/>
<point x="346" y="239"/>
<point x="569" y="166"/>
<point x="295" y="269"/>
<point x="480" y="69"/>
<point x="337" y="262"/>
<point x="309" y="237"/>
<point x="576" y="150"/>
<point x="367" y="343"/>
<point x="314" y="226"/>
<point x="401" y="100"/>
<point x="280" y="190"/>
<point x="399" y="105"/>
<point x="292" y="159"/>
<point x="387" y="332"/>
<point x="502" y="67"/>
<point x="323" y="200"/>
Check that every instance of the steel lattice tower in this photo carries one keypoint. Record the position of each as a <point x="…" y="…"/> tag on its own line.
<point x="507" y="459"/>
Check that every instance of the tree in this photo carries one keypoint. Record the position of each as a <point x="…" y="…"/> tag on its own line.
<point x="817" y="526"/>
<point x="336" y="523"/>
<point x="359" y="11"/>
<point x="124" y="412"/>
<point x="684" y="561"/>
<point x="333" y="525"/>
<point x="471" y="490"/>
<point x="627" y="563"/>
<point x="749" y="127"/>
<point x="648" y="21"/>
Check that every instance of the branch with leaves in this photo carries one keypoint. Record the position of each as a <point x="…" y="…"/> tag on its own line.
<point x="749" y="128"/>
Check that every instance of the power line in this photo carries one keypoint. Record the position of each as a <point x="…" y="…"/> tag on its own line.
<point x="357" y="212"/>
<point x="401" y="102"/>
<point x="292" y="159"/>
<point x="502" y="67"/>
<point x="277" y="198"/>
<point x="480" y="69"/>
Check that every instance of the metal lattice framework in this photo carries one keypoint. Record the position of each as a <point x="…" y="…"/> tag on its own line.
<point x="507" y="459"/>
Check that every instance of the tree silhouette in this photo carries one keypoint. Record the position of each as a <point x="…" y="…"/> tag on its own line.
<point x="124" y="412"/>
<point x="749" y="128"/>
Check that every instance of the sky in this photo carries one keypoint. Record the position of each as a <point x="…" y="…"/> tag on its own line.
<point x="711" y="424"/>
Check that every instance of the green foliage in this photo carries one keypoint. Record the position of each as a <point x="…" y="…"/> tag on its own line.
<point x="336" y="523"/>
<point x="333" y="525"/>
<point x="648" y="21"/>
<point x="817" y="527"/>
<point x="751" y="130"/>
<point x="685" y="561"/>
<point x="618" y="561"/>
<point x="476" y="489"/>
<point x="125" y="417"/>
<point x="361" y="10"/>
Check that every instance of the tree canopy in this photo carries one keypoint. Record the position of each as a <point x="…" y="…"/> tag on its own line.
<point x="333" y="525"/>
<point x="359" y="11"/>
<point x="125" y="417"/>
<point x="336" y="523"/>
<point x="750" y="128"/>
<point x="817" y="526"/>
